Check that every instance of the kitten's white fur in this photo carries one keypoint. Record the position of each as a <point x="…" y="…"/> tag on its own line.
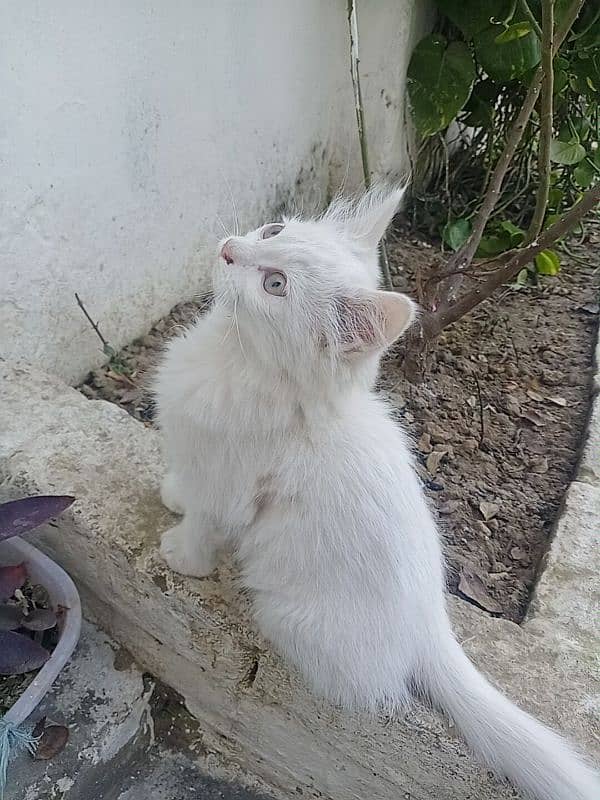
<point x="278" y="448"/>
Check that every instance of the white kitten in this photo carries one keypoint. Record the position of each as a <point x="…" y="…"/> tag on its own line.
<point x="279" y="448"/>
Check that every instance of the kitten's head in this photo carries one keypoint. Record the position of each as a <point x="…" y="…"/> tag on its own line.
<point x="304" y="292"/>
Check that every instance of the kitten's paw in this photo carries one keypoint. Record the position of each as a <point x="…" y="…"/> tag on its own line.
<point x="185" y="554"/>
<point x="170" y="494"/>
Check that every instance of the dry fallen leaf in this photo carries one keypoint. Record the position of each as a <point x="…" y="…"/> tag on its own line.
<point x="539" y="398"/>
<point x="450" y="507"/>
<point x="120" y="377"/>
<point x="470" y="445"/>
<point x="533" y="417"/>
<point x="518" y="554"/>
<point x="512" y="405"/>
<point x="539" y="465"/>
<point x="590" y="308"/>
<point x="473" y="587"/>
<point x="558" y="401"/>
<point x="52" y="741"/>
<point x="433" y="460"/>
<point x="130" y="396"/>
<point x="424" y="443"/>
<point x="488" y="510"/>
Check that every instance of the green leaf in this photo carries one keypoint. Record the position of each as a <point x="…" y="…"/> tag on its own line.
<point x="475" y="16"/>
<point x="587" y="27"/>
<point x="586" y="74"/>
<point x="561" y="79"/>
<point x="516" y="31"/>
<point x="516" y="234"/>
<point x="551" y="219"/>
<point x="456" y="233"/>
<point x="523" y="277"/>
<point x="440" y="77"/>
<point x="555" y="196"/>
<point x="493" y="245"/>
<point x="547" y="263"/>
<point x="566" y="152"/>
<point x="480" y="104"/>
<point x="581" y="126"/>
<point x="584" y="174"/>
<point x="505" y="62"/>
<point x="480" y="113"/>
<point x="560" y="9"/>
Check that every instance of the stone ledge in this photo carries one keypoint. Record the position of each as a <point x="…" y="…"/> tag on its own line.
<point x="567" y="596"/>
<point x="197" y="635"/>
<point x="589" y="465"/>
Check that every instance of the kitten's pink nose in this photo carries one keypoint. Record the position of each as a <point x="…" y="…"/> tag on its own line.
<point x="226" y="252"/>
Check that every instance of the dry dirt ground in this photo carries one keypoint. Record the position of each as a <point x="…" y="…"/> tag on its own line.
<point x="497" y="424"/>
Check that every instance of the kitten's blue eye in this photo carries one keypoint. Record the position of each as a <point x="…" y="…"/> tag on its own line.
<point x="271" y="230"/>
<point x="275" y="283"/>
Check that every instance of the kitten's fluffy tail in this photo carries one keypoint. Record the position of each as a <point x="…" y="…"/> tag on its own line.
<point x="512" y="743"/>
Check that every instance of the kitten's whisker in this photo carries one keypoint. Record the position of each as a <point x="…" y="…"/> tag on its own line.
<point x="237" y="327"/>
<point x="235" y="215"/>
<point x="228" y="331"/>
<point x="225" y="230"/>
<point x="236" y="222"/>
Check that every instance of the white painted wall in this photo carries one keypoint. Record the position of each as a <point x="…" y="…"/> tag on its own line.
<point x="127" y="127"/>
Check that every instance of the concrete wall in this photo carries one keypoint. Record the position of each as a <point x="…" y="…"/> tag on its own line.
<point x="127" y="129"/>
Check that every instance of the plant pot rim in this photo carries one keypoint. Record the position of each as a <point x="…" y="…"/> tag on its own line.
<point x="63" y="592"/>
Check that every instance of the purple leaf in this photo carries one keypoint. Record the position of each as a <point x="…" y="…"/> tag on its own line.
<point x="11" y="579"/>
<point x="40" y="619"/>
<point x="20" y="516"/>
<point x="10" y="617"/>
<point x="19" y="654"/>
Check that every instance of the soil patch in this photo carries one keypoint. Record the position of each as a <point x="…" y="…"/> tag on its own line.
<point x="498" y="422"/>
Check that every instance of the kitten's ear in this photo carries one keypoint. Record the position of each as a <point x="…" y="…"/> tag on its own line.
<point x="373" y="213"/>
<point x="372" y="321"/>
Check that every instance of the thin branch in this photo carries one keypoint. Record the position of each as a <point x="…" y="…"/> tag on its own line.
<point x="360" y="123"/>
<point x="434" y="323"/>
<point x="384" y="263"/>
<point x="358" y="103"/>
<point x="105" y="345"/>
<point x="546" y="118"/>
<point x="464" y="256"/>
<point x="524" y="6"/>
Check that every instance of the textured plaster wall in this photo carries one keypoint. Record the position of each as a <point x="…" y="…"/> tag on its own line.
<point x="126" y="128"/>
